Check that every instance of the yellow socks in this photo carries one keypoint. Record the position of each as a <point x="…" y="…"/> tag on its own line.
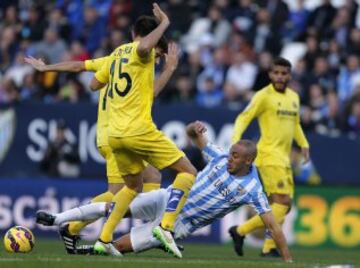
<point x="148" y="186"/>
<point x="255" y="222"/>
<point x="179" y="193"/>
<point x="269" y="244"/>
<point x="121" y="203"/>
<point x="76" y="226"/>
<point x="250" y="225"/>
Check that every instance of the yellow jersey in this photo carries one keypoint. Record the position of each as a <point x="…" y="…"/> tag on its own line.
<point x="131" y="91"/>
<point x="95" y="65"/>
<point x="278" y="116"/>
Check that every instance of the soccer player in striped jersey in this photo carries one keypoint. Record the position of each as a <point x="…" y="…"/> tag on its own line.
<point x="151" y="176"/>
<point x="228" y="181"/>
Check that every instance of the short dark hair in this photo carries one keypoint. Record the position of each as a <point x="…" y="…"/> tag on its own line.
<point x="281" y="62"/>
<point x="145" y="25"/>
<point x="250" y="147"/>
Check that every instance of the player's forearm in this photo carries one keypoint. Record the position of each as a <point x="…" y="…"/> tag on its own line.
<point x="277" y="235"/>
<point x="66" y="66"/>
<point x="148" y="42"/>
<point x="163" y="79"/>
<point x="280" y="242"/>
<point x="199" y="142"/>
<point x="195" y="132"/>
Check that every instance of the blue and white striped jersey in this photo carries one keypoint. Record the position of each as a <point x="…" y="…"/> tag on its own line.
<point x="216" y="192"/>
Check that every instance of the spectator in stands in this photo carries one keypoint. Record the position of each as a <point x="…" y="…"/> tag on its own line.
<point x="18" y="70"/>
<point x="60" y="24"/>
<point x="9" y="93"/>
<point x="209" y="96"/>
<point x="353" y="119"/>
<point x="262" y="76"/>
<point x="52" y="47"/>
<point x="321" y="17"/>
<point x="330" y="123"/>
<point x="339" y="29"/>
<point x="214" y="24"/>
<point x="29" y="89"/>
<point x="216" y="69"/>
<point x="8" y="47"/>
<point x="61" y="158"/>
<point x="348" y="78"/>
<point x="34" y="27"/>
<point x="312" y="52"/>
<point x="322" y="75"/>
<point x="241" y="75"/>
<point x="298" y="18"/>
<point x="244" y="17"/>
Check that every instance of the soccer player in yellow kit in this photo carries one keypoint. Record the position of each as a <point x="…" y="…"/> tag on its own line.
<point x="277" y="109"/>
<point x="132" y="134"/>
<point x="151" y="176"/>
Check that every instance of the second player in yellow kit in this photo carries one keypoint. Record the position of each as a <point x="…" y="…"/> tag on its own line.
<point x="277" y="109"/>
<point x="133" y="136"/>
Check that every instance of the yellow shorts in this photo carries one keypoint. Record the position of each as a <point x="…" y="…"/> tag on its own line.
<point x="112" y="171"/>
<point x="153" y="147"/>
<point x="277" y="180"/>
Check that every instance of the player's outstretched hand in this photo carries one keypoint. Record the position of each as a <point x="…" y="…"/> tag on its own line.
<point x="38" y="64"/>
<point x="159" y="14"/>
<point x="306" y="155"/>
<point x="195" y="129"/>
<point x="172" y="56"/>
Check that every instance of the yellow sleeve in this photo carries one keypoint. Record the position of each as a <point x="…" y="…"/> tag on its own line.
<point x="103" y="74"/>
<point x="299" y="134"/>
<point x="254" y="108"/>
<point x="95" y="65"/>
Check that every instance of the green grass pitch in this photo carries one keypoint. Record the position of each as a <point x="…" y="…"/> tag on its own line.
<point x="50" y="253"/>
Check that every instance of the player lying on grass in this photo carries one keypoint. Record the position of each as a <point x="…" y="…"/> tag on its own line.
<point x="228" y="181"/>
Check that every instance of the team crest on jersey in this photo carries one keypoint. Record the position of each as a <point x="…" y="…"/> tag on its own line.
<point x="7" y="131"/>
<point x="241" y="190"/>
<point x="280" y="184"/>
<point x="295" y="105"/>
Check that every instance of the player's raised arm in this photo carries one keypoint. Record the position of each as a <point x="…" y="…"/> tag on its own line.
<point x="277" y="235"/>
<point x="195" y="132"/>
<point x="66" y="66"/>
<point x="172" y="59"/>
<point x="242" y="121"/>
<point x="148" y="42"/>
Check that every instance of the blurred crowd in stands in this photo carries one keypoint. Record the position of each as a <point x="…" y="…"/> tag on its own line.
<point x="226" y="50"/>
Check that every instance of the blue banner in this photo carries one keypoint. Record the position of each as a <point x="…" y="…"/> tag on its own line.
<point x="25" y="131"/>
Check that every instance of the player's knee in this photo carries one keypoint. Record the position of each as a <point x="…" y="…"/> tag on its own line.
<point x="281" y="199"/>
<point x="184" y="166"/>
<point x="135" y="186"/>
<point x="152" y="175"/>
<point x="192" y="170"/>
<point x="115" y="187"/>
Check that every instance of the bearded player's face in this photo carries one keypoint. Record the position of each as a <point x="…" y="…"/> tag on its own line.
<point x="280" y="77"/>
